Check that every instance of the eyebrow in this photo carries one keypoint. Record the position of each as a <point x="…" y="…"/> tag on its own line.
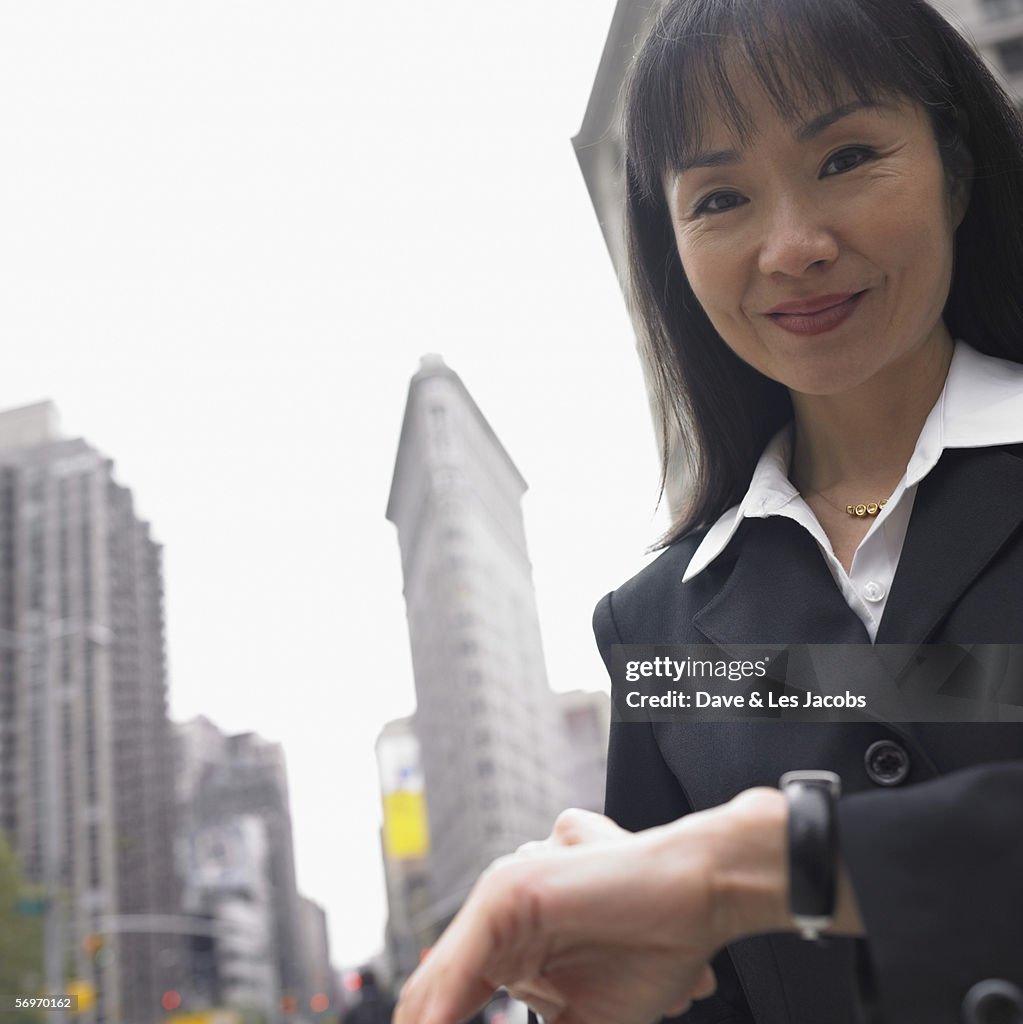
<point x="805" y="132"/>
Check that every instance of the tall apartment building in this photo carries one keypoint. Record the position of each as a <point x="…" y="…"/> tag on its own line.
<point x="485" y="721"/>
<point x="85" y="796"/>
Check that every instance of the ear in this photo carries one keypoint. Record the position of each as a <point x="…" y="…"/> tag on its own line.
<point x="962" y="184"/>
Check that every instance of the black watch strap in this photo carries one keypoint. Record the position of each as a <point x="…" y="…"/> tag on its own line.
<point x="813" y="848"/>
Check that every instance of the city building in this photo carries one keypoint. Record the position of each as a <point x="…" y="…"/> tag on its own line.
<point x="485" y="719"/>
<point x="227" y="883"/>
<point x="236" y="851"/>
<point x="405" y="846"/>
<point x="586" y="722"/>
<point x="85" y="792"/>
<point x="996" y="28"/>
<point x="321" y="994"/>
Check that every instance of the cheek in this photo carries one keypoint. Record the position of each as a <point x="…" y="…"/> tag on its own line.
<point x="919" y="263"/>
<point x="712" y="274"/>
<point x="910" y="233"/>
<point x="913" y="242"/>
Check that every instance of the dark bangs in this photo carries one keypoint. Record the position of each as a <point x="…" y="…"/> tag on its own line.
<point x="807" y="55"/>
<point x="716" y="412"/>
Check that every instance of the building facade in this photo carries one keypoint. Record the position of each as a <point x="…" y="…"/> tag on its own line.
<point x="405" y="846"/>
<point x="228" y="884"/>
<point x="485" y="720"/>
<point x="586" y="723"/>
<point x="85" y="791"/>
<point x="235" y="816"/>
<point x="996" y="28"/>
<point x="321" y="993"/>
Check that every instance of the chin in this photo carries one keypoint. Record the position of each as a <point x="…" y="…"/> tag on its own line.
<point x="826" y="377"/>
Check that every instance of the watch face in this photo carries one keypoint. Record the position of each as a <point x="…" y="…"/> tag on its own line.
<point x="812" y="848"/>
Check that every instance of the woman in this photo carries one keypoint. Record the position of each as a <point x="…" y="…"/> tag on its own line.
<point x="822" y="198"/>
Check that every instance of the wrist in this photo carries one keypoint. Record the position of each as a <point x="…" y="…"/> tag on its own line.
<point x="741" y="851"/>
<point x="751" y="873"/>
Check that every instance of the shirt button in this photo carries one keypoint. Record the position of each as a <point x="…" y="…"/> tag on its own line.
<point x="873" y="591"/>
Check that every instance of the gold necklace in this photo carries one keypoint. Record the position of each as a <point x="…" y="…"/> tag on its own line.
<point x="871" y="508"/>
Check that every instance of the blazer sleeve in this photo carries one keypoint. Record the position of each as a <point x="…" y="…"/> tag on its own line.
<point x="938" y="873"/>
<point x="642" y="792"/>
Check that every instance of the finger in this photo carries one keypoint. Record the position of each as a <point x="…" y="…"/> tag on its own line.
<point x="429" y="997"/>
<point x="705" y="985"/>
<point x="574" y="826"/>
<point x="540" y="998"/>
<point x="491" y="941"/>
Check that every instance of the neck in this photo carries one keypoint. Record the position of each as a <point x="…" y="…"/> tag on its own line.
<point x="858" y="443"/>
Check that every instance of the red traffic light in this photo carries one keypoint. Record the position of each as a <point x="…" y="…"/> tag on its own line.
<point x="170" y="1000"/>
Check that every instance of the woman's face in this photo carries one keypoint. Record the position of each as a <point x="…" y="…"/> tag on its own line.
<point x="822" y="252"/>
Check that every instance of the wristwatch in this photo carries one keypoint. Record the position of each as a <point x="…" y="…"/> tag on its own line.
<point x="813" y="848"/>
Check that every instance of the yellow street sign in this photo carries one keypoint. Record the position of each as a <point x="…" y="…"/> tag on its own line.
<point x="406" y="833"/>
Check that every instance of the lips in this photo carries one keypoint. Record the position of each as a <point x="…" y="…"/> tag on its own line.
<point x="812" y="305"/>
<point x="816" y="315"/>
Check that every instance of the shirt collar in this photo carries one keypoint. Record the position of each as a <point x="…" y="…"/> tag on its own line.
<point x="980" y="405"/>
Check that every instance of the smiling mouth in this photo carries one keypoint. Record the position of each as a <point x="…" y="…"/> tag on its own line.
<point x="820" y="320"/>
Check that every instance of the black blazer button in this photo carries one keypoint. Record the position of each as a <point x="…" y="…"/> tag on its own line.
<point x="993" y="1001"/>
<point x="887" y="763"/>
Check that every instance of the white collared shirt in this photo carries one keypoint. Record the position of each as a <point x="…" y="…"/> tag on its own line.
<point x="980" y="405"/>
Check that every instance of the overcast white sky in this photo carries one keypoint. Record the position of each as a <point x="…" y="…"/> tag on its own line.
<point x="229" y="232"/>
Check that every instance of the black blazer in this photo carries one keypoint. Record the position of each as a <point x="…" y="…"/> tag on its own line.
<point x="936" y="860"/>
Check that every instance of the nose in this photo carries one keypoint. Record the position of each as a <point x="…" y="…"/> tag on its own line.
<point x="796" y="236"/>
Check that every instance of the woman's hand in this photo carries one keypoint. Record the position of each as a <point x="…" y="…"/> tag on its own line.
<point x="575" y="826"/>
<point x="595" y="925"/>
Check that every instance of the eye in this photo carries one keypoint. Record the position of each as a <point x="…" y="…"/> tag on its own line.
<point x="720" y="202"/>
<point x="846" y="159"/>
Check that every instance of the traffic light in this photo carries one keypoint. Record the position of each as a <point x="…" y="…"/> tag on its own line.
<point x="170" y="1000"/>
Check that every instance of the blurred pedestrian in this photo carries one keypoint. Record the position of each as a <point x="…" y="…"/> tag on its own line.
<point x="374" y="1007"/>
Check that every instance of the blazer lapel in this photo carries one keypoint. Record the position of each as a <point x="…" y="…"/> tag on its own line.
<point x="966" y="509"/>
<point x="780" y="591"/>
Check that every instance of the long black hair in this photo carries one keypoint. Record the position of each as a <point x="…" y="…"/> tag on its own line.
<point x="801" y="52"/>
